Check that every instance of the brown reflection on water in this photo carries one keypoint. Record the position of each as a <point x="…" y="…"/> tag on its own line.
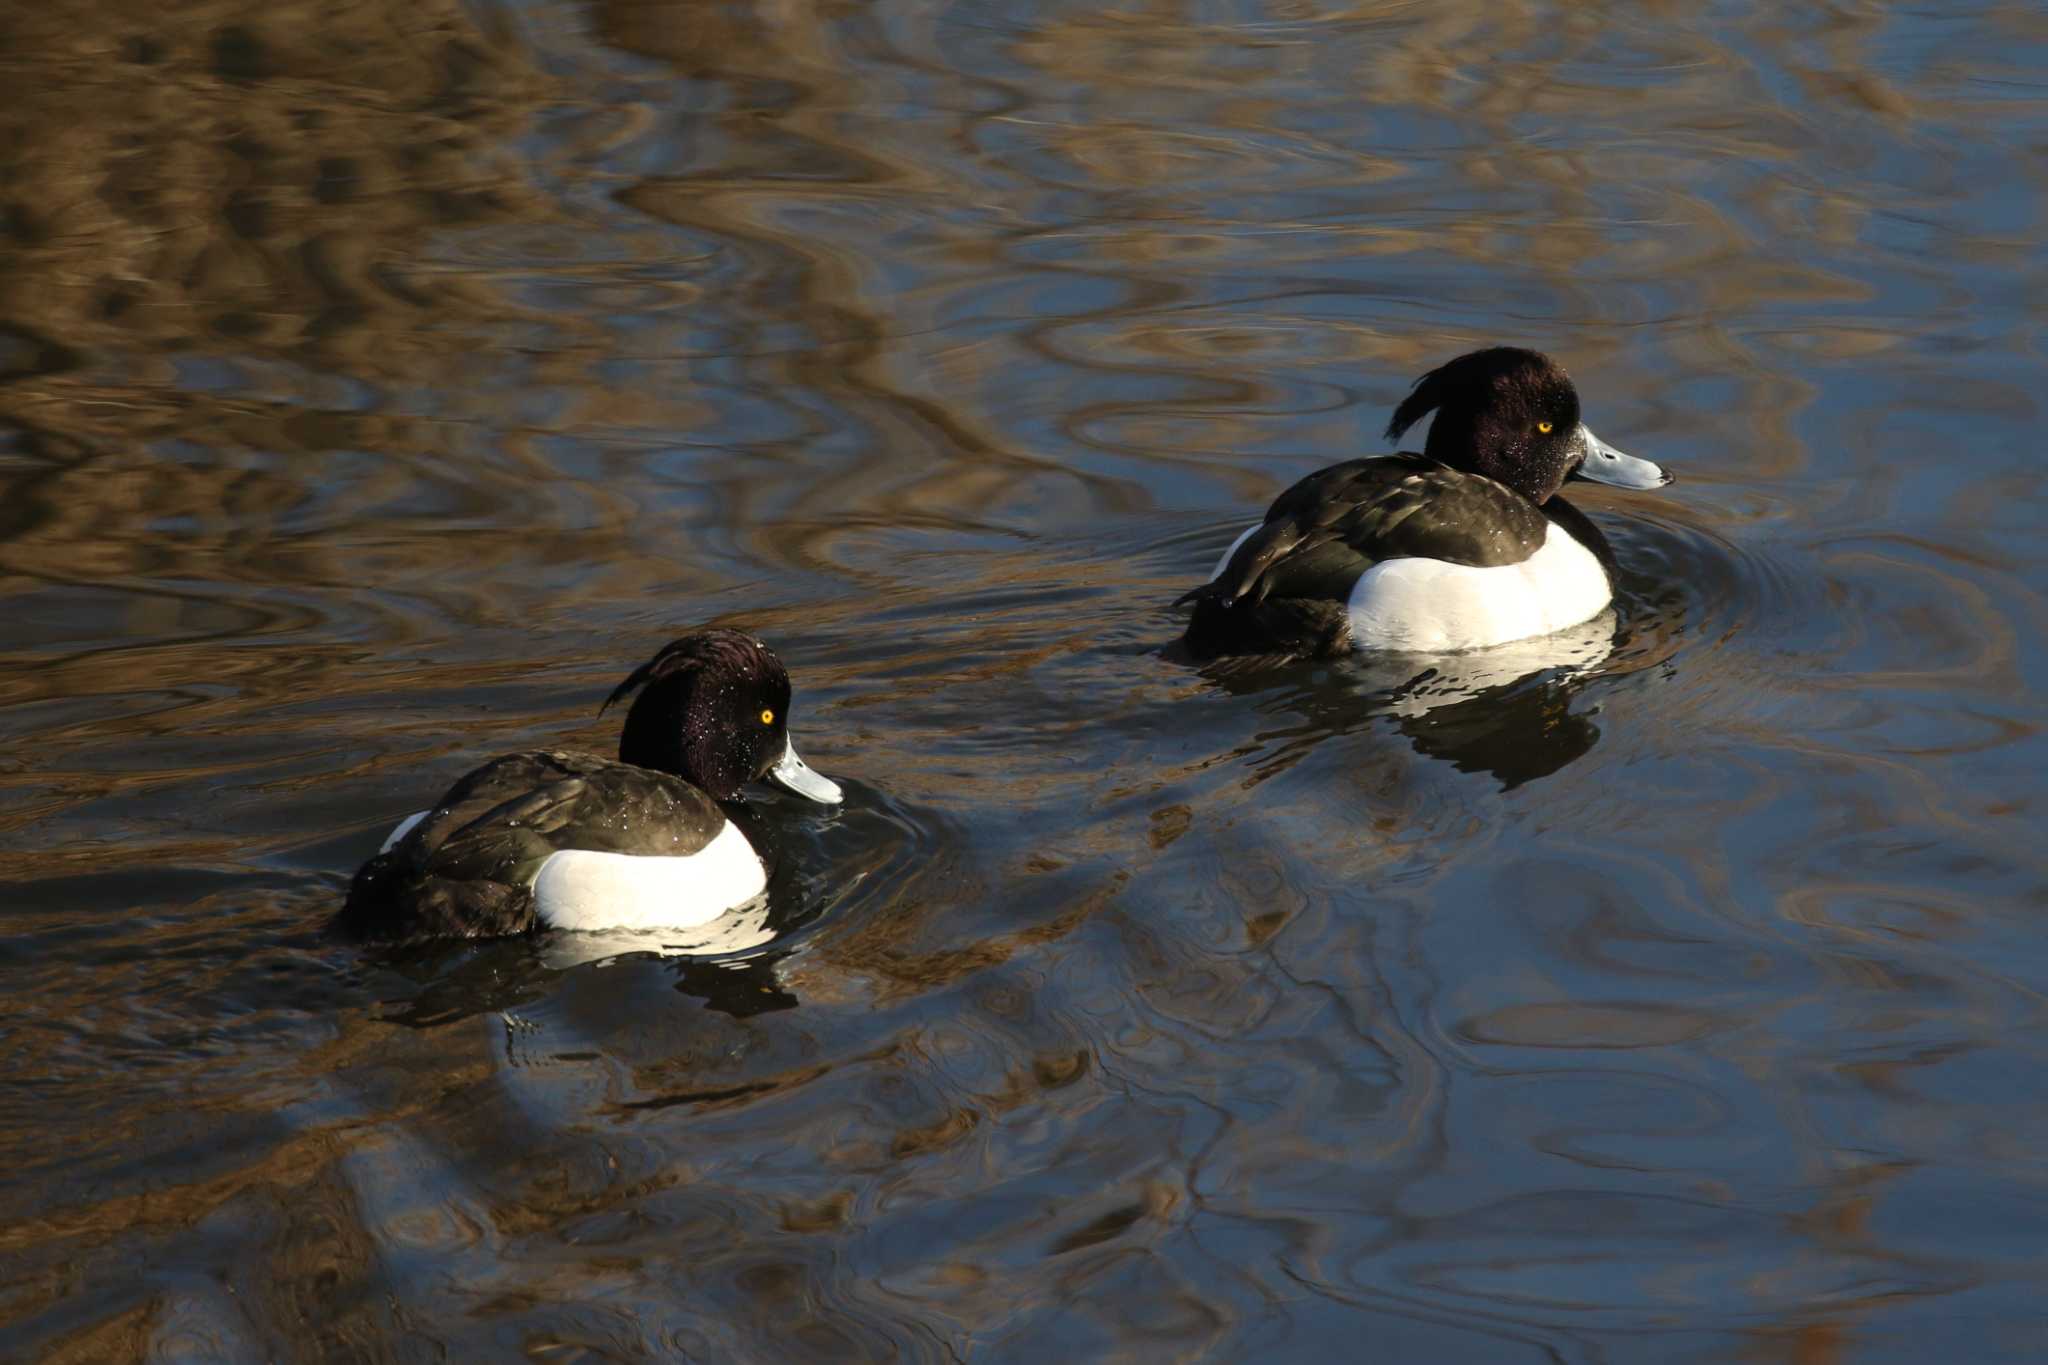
<point x="249" y="176"/>
<point x="378" y="384"/>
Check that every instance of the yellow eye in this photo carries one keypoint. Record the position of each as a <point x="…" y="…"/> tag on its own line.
<point x="1543" y="427"/>
<point x="767" y="717"/>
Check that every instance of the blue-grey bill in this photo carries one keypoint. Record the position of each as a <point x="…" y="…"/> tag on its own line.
<point x="1605" y="464"/>
<point x="797" y="775"/>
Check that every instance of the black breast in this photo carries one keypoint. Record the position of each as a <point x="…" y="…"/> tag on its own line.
<point x="467" y="869"/>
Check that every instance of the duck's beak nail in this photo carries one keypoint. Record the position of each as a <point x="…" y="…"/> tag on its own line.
<point x="1602" y="463"/>
<point x="797" y="775"/>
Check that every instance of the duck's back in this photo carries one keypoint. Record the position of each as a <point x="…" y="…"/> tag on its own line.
<point x="1396" y="553"/>
<point x="483" y="861"/>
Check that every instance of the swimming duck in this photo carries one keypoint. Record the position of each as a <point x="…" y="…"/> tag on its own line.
<point x="549" y="839"/>
<point x="1463" y="546"/>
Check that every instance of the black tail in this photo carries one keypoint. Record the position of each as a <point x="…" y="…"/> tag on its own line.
<point x="1241" y="577"/>
<point x="1295" y="627"/>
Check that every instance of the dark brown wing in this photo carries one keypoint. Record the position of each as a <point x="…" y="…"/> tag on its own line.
<point x="1286" y="584"/>
<point x="467" y="869"/>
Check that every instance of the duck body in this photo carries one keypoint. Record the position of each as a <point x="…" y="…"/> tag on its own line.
<point x="1462" y="547"/>
<point x="1400" y="554"/>
<point x="551" y="839"/>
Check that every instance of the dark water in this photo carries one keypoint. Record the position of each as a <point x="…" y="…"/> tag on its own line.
<point x="380" y="382"/>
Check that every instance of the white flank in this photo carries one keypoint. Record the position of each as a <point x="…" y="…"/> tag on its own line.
<point x="1426" y="605"/>
<point x="1224" y="562"/>
<point x="579" y="889"/>
<point x="401" y="829"/>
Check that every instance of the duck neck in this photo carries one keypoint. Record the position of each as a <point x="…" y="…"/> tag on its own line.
<point x="655" y="734"/>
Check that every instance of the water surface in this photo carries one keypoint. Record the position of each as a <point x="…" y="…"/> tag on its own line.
<point x="378" y="385"/>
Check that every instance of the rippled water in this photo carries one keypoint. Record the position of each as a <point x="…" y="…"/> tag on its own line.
<point x="378" y="384"/>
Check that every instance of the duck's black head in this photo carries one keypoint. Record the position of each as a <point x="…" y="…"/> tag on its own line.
<point x="714" y="710"/>
<point x="1513" y="415"/>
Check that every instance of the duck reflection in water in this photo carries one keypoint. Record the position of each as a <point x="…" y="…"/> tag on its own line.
<point x="457" y="979"/>
<point x="1507" y="711"/>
